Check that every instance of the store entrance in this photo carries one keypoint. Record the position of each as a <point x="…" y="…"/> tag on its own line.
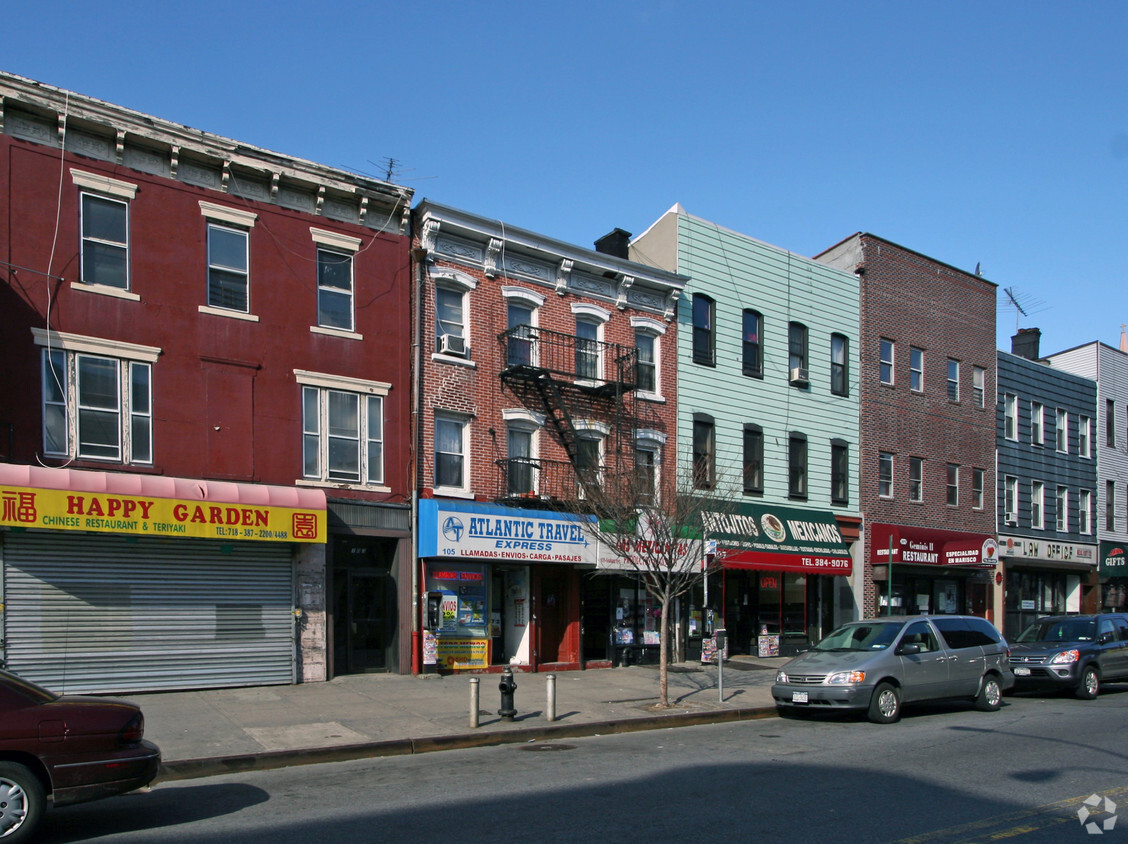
<point x="364" y="608"/>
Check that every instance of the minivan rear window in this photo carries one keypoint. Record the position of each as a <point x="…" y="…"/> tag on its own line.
<point x="966" y="632"/>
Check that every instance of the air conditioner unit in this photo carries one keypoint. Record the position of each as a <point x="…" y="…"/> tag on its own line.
<point x="799" y="376"/>
<point x="449" y="344"/>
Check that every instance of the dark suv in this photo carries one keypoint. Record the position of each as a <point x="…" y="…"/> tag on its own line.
<point x="1076" y="652"/>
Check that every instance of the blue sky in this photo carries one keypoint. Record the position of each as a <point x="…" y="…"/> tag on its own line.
<point x="991" y="133"/>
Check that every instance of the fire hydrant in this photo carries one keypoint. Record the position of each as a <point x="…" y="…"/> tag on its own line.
<point x="507" y="685"/>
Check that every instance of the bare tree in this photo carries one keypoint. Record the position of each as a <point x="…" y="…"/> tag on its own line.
<point x="656" y="532"/>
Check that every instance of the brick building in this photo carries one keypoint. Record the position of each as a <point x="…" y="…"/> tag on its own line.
<point x="206" y="396"/>
<point x="927" y="436"/>
<point x="544" y="368"/>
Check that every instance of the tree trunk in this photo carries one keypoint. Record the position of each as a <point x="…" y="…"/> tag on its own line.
<point x="664" y="657"/>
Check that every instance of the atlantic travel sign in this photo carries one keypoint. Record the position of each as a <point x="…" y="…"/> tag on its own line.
<point x="470" y="531"/>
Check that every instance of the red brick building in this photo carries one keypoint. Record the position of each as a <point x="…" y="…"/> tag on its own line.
<point x="544" y="367"/>
<point x="927" y="434"/>
<point x="206" y="404"/>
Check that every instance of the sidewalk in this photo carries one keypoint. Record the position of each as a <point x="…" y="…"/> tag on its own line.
<point x="212" y="731"/>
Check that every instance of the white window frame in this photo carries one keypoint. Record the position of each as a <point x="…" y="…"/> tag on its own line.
<point x="978" y="386"/>
<point x="886" y="362"/>
<point x="916" y="369"/>
<point x="885" y="474"/>
<point x="978" y="483"/>
<point x="1062" y="515"/>
<point x="108" y="190"/>
<point x="339" y="245"/>
<point x="651" y="442"/>
<point x="231" y="219"/>
<point x="952" y="485"/>
<point x="592" y="315"/>
<point x="953" y="380"/>
<point x="1037" y="423"/>
<point x="461" y="490"/>
<point x="134" y="444"/>
<point x="916" y="479"/>
<point x="1037" y="505"/>
<point x="1085" y="511"/>
<point x="1010" y="500"/>
<point x="1061" y="432"/>
<point x="525" y="422"/>
<point x="1084" y="436"/>
<point x="316" y="429"/>
<point x="654" y="329"/>
<point x="1010" y="416"/>
<point x="457" y="284"/>
<point x="534" y="302"/>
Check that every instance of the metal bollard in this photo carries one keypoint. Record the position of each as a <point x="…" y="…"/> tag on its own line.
<point x="550" y="688"/>
<point x="473" y="703"/>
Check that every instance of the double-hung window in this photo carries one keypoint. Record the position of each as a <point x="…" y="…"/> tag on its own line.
<point x="916" y="369"/>
<point x="451" y="470"/>
<point x="953" y="485"/>
<point x="589" y="335"/>
<point x="704" y="330"/>
<point x="1084" y="511"/>
<point x="978" y="385"/>
<point x="228" y="257"/>
<point x="1110" y="423"/>
<point x="451" y="334"/>
<point x="104" y="212"/>
<point x="1084" y="436"/>
<point x="1037" y="505"/>
<point x="1010" y="500"/>
<point x="589" y="464"/>
<point x="885" y="474"/>
<point x="752" y="349"/>
<point x="1110" y="505"/>
<point x="522" y="308"/>
<point x="1010" y="416"/>
<point x="885" y="360"/>
<point x="753" y="459"/>
<point x="520" y="475"/>
<point x="953" y="379"/>
<point x="839" y="369"/>
<point x="648" y="348"/>
<point x="797" y="465"/>
<point x="1062" y="509"/>
<point x="342" y="429"/>
<point x="797" y="352"/>
<point x="1061" y="431"/>
<point x="648" y="463"/>
<point x="1037" y="424"/>
<point x="704" y="451"/>
<point x="916" y="479"/>
<point x="839" y="472"/>
<point x="335" y="282"/>
<point x="97" y="398"/>
<point x="977" y="479"/>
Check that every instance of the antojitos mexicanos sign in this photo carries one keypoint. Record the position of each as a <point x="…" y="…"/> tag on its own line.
<point x="113" y="513"/>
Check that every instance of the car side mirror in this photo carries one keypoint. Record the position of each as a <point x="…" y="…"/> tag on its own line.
<point x="908" y="649"/>
<point x="1105" y="638"/>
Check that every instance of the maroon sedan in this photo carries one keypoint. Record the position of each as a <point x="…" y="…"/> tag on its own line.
<point x="66" y="748"/>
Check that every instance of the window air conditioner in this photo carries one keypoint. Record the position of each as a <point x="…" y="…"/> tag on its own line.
<point x="799" y="376"/>
<point x="449" y="344"/>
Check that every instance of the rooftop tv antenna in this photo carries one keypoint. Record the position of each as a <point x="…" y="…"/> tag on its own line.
<point x="1023" y="305"/>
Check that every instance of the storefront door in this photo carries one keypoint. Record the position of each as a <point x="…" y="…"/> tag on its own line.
<point x="553" y="614"/>
<point x="364" y="608"/>
<point x="368" y="646"/>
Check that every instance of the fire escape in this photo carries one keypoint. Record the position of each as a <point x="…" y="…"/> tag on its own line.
<point x="585" y="390"/>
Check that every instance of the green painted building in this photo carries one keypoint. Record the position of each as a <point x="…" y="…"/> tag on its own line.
<point x="768" y="406"/>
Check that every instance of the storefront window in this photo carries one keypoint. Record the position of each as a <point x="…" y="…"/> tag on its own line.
<point x="637" y="618"/>
<point x="458" y="615"/>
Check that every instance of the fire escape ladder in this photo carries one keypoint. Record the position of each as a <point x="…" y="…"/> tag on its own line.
<point x="557" y="416"/>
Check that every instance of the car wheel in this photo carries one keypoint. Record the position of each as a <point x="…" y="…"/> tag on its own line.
<point x="1090" y="685"/>
<point x="885" y="705"/>
<point x="21" y="802"/>
<point x="990" y="696"/>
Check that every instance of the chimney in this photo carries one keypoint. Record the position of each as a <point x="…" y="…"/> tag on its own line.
<point x="1025" y="343"/>
<point x="616" y="243"/>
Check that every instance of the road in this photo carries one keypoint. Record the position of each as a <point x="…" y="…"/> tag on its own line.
<point x="944" y="773"/>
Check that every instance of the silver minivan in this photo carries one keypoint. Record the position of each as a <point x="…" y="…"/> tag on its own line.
<point x="878" y="664"/>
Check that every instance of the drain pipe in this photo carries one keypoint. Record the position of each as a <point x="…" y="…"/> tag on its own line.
<point x="419" y="261"/>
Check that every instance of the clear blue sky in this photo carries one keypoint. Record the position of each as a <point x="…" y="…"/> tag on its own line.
<point x="992" y="133"/>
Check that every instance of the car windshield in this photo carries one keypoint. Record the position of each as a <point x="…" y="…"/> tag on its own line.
<point x="1060" y="630"/>
<point x="16" y="691"/>
<point x="863" y="636"/>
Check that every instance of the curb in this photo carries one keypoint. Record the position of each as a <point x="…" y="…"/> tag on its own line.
<point x="195" y="768"/>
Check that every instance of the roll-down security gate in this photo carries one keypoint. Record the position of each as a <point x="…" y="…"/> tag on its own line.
<point x="97" y="613"/>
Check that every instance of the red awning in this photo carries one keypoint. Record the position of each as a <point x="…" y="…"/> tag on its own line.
<point x="931" y="546"/>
